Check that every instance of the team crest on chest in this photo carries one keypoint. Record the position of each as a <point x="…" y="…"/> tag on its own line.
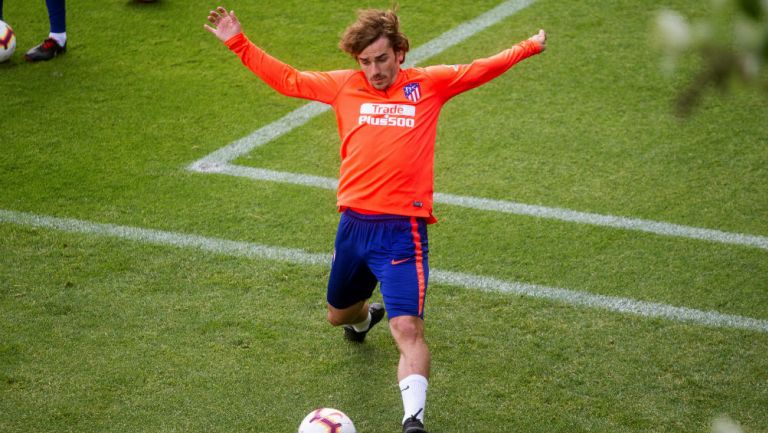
<point x="412" y="92"/>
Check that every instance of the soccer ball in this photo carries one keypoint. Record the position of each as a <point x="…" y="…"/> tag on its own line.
<point x="7" y="41"/>
<point x="327" y="420"/>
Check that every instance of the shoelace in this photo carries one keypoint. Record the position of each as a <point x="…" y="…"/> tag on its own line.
<point x="414" y="417"/>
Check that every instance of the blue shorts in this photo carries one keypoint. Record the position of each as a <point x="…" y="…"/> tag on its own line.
<point x="390" y="249"/>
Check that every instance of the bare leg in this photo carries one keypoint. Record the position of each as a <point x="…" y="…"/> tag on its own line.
<point x="408" y="332"/>
<point x="348" y="316"/>
<point x="413" y="369"/>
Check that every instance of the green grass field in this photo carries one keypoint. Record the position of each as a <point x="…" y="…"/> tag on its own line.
<point x="105" y="332"/>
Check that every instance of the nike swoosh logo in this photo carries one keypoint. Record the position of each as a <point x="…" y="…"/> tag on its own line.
<point x="397" y="262"/>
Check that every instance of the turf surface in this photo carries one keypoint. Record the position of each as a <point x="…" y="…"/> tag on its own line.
<point x="102" y="334"/>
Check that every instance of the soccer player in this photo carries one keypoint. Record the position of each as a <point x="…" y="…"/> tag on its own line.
<point x="387" y="121"/>
<point x="56" y="42"/>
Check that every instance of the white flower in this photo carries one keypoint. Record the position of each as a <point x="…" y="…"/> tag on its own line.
<point x="673" y="30"/>
<point x="725" y="425"/>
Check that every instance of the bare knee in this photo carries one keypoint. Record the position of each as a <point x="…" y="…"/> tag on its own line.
<point x="334" y="318"/>
<point x="406" y="329"/>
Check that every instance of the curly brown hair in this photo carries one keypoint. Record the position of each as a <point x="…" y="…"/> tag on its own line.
<point x="372" y="24"/>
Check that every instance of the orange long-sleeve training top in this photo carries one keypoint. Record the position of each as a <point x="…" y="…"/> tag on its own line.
<point x="387" y="137"/>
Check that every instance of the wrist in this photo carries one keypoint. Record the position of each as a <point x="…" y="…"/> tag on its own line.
<point x="234" y="40"/>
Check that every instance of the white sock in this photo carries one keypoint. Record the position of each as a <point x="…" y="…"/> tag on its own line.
<point x="60" y="38"/>
<point x="413" y="389"/>
<point x="364" y="325"/>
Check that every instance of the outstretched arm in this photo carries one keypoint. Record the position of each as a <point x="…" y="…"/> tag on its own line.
<point x="225" y="24"/>
<point x="456" y="79"/>
<point x="317" y="86"/>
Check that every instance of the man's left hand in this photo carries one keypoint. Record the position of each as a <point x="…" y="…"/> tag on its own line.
<point x="540" y="38"/>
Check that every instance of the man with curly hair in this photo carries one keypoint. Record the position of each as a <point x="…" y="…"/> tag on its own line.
<point x="387" y="121"/>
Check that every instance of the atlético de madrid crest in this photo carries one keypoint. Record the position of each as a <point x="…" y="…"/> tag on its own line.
<point x="412" y="91"/>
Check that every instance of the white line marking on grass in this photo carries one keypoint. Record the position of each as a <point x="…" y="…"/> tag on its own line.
<point x="643" y="225"/>
<point x="261" y="136"/>
<point x="603" y="302"/>
<point x="484" y="204"/>
<point x="160" y="237"/>
<point x="278" y="176"/>
<point x="468" y="281"/>
<point x="219" y="161"/>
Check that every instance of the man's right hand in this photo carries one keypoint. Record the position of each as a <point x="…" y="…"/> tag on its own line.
<point x="225" y="24"/>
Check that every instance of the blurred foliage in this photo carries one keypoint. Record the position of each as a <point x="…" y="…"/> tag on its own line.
<point x="732" y="43"/>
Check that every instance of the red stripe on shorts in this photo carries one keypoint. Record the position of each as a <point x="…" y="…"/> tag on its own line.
<point x="419" y="261"/>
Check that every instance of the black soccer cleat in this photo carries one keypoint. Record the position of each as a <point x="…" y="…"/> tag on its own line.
<point x="45" y="51"/>
<point x="413" y="425"/>
<point x="377" y="313"/>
